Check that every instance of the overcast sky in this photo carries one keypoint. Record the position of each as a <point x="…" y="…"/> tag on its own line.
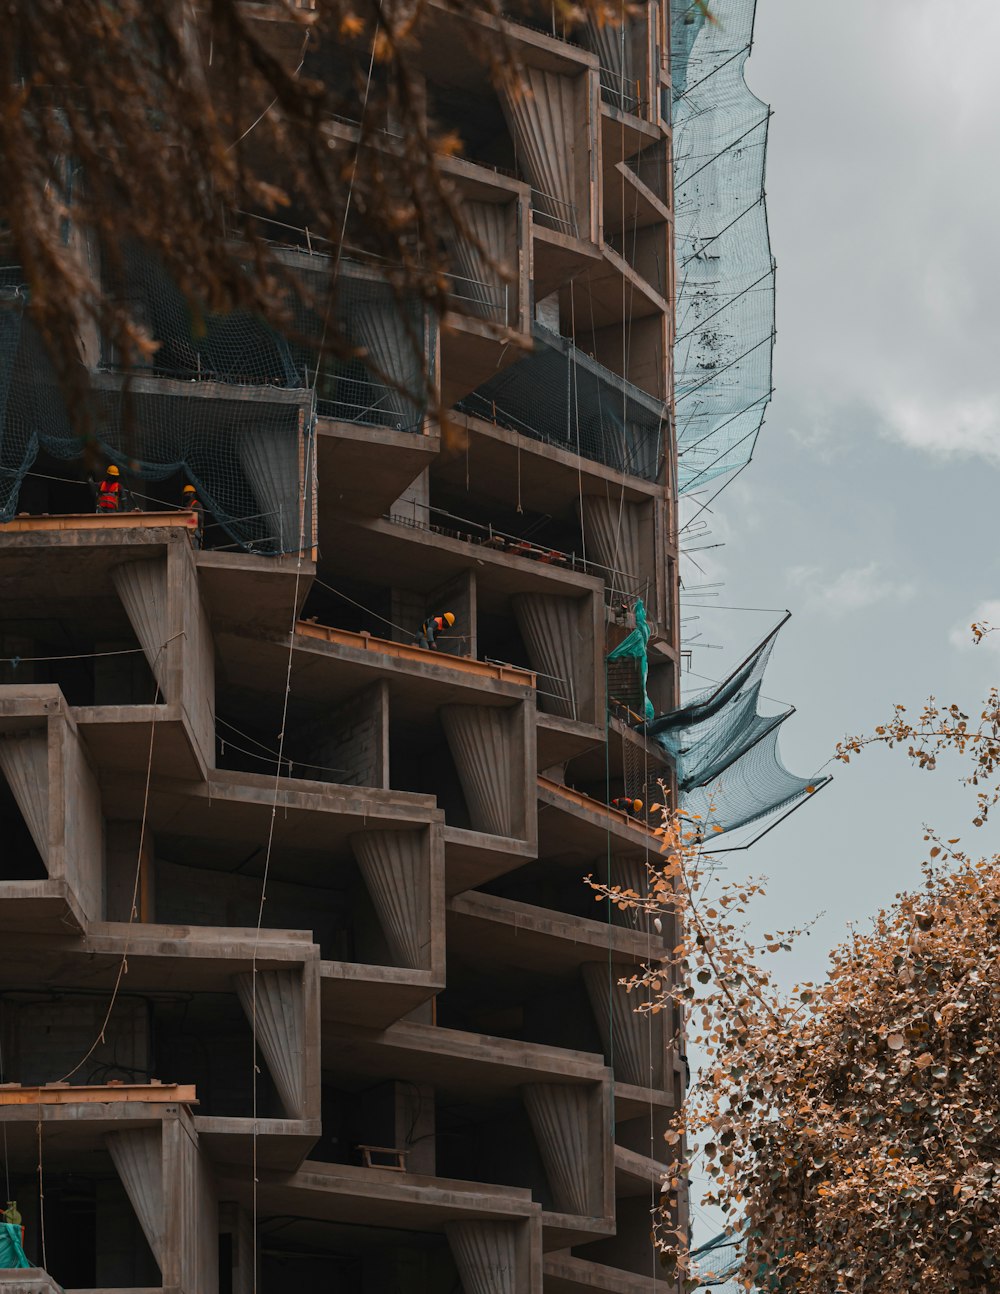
<point x="871" y="507"/>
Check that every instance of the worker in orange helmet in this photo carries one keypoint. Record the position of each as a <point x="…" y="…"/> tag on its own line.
<point x="433" y="626"/>
<point x="109" y="491"/>
<point x="626" y="804"/>
<point x="190" y="500"/>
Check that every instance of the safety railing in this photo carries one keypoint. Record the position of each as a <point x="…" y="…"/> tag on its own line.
<point x="346" y="398"/>
<point x="488" y="536"/>
<point x="557" y="213"/>
<point x="479" y="298"/>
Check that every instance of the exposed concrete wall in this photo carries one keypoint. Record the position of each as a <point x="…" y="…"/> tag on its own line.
<point x="351" y="744"/>
<point x="46" y="1041"/>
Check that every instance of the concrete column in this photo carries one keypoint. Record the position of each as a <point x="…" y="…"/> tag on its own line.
<point x="270" y="460"/>
<point x="560" y="1115"/>
<point x="142" y="587"/>
<point x="486" y="1256"/>
<point x="630" y="873"/>
<point x="137" y="1155"/>
<point x="550" y="627"/>
<point x="24" y="762"/>
<point x="479" y="254"/>
<point x="280" y="1031"/>
<point x="394" y="354"/>
<point x="618" y="536"/>
<point x="542" y="113"/>
<point x="633" y="1042"/>
<point x="488" y="754"/>
<point x="395" y="869"/>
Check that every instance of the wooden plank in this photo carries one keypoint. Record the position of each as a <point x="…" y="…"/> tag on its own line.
<point x="406" y="651"/>
<point x="64" y="1094"/>
<point x="101" y="521"/>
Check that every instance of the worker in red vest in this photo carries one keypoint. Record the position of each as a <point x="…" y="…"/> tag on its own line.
<point x="109" y="491"/>
<point x="433" y="626"/>
<point x="627" y="805"/>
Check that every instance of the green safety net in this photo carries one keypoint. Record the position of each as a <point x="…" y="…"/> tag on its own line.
<point x="633" y="650"/>
<point x="725" y="750"/>
<point x="11" y="1250"/>
<point x="715" y="727"/>
<point x="560" y="395"/>
<point x="725" y="271"/>
<point x="228" y="403"/>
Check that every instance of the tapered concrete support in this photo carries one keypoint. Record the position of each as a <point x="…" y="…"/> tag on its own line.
<point x="486" y="745"/>
<point x="550" y="627"/>
<point x="542" y="114"/>
<point x="24" y="762"/>
<point x="137" y="1155"/>
<point x="630" y="873"/>
<point x="618" y="537"/>
<point x="280" y="1031"/>
<point x="633" y="1042"/>
<point x="479" y="257"/>
<point x="394" y="865"/>
<point x="612" y="43"/>
<point x="271" y="463"/>
<point x="142" y="587"/>
<point x="560" y="1116"/>
<point x="393" y="356"/>
<point x="486" y="1255"/>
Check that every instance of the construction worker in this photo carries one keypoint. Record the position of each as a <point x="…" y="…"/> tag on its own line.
<point x="190" y="500"/>
<point x="625" y="804"/>
<point x="433" y="626"/>
<point x="109" y="491"/>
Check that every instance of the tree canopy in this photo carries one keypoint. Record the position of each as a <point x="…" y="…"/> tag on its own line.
<point x="851" y="1126"/>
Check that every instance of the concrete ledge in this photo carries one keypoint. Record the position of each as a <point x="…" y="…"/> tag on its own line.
<point x="565" y="1274"/>
<point x="483" y="926"/>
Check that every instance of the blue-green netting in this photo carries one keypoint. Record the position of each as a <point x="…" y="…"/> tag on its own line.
<point x="561" y="395"/>
<point x="717" y="725"/>
<point x="228" y="401"/>
<point x="729" y="771"/>
<point x="725" y="272"/>
<point x="245" y="452"/>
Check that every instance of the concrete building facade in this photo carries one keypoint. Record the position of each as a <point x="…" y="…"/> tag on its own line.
<point x="302" y="986"/>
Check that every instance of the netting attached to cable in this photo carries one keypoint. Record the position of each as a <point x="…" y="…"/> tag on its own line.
<point x="228" y="401"/>
<point x="725" y="271"/>
<point x="387" y="388"/>
<point x="248" y="454"/>
<point x="717" y="725"/>
<point x="751" y="788"/>
<point x="560" y="395"/>
<point x="729" y="772"/>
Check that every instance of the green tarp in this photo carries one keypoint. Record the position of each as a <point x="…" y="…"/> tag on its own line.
<point x="634" y="646"/>
<point x="11" y="1252"/>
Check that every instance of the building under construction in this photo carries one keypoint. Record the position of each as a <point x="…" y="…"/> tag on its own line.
<point x="302" y="986"/>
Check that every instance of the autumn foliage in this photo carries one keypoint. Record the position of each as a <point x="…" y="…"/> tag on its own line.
<point x="851" y="1127"/>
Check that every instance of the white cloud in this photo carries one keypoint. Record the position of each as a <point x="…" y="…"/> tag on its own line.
<point x="851" y="590"/>
<point x="961" y="635"/>
<point x="963" y="428"/>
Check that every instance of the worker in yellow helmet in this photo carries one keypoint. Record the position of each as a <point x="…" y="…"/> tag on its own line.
<point x="433" y="626"/>
<point x="109" y="491"/>
<point x="626" y="804"/>
<point x="190" y="500"/>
